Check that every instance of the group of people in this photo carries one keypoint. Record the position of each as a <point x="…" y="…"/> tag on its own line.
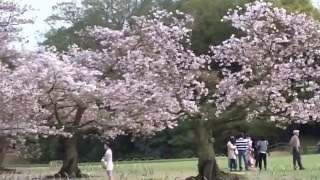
<point x="254" y="152"/>
<point x="244" y="149"/>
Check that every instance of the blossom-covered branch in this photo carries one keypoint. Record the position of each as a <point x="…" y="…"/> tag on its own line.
<point x="158" y="83"/>
<point x="278" y="55"/>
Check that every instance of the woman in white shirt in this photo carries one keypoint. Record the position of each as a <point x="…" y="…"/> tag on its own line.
<point x="107" y="161"/>
<point x="232" y="154"/>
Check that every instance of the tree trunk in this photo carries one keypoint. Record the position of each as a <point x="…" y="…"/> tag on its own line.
<point x="70" y="162"/>
<point x="207" y="165"/>
<point x="3" y="150"/>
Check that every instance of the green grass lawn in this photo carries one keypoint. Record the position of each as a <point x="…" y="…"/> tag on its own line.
<point x="279" y="168"/>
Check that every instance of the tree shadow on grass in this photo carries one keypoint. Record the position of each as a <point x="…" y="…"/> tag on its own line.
<point x="6" y="170"/>
<point x="223" y="176"/>
<point x="58" y="176"/>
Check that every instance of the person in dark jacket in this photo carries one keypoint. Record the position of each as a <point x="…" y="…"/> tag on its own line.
<point x="256" y="152"/>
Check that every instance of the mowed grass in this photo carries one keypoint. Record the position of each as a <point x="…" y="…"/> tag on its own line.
<point x="279" y="167"/>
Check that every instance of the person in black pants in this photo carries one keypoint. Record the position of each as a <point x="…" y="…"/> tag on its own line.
<point x="256" y="152"/>
<point x="263" y="150"/>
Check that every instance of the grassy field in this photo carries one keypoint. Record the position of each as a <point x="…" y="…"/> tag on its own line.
<point x="280" y="167"/>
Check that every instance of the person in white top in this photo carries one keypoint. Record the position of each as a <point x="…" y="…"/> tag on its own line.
<point x="232" y="154"/>
<point x="107" y="161"/>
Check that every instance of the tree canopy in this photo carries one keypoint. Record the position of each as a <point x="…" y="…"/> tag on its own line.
<point x="121" y="68"/>
<point x="278" y="56"/>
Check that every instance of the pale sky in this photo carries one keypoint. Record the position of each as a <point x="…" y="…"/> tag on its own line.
<point x="34" y="32"/>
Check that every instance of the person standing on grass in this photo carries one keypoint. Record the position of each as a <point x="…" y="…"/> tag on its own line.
<point x="256" y="152"/>
<point x="295" y="147"/>
<point x="232" y="154"/>
<point x="107" y="161"/>
<point x="318" y="147"/>
<point x="242" y="147"/>
<point x="263" y="150"/>
<point x="250" y="151"/>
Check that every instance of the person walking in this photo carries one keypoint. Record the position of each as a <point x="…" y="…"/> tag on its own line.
<point x="263" y="150"/>
<point x="295" y="148"/>
<point x="107" y="161"/>
<point x="242" y="147"/>
<point x="232" y="154"/>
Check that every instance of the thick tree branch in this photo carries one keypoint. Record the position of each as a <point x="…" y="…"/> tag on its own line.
<point x="79" y="113"/>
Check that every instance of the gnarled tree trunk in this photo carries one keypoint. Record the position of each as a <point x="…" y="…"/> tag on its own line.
<point x="3" y="149"/>
<point x="207" y="165"/>
<point x="70" y="163"/>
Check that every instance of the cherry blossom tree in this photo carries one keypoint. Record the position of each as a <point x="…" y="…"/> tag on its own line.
<point x="4" y="91"/>
<point x="279" y="59"/>
<point x="159" y="79"/>
<point x="21" y="114"/>
<point x="67" y="93"/>
<point x="143" y="80"/>
<point x="11" y="15"/>
<point x="154" y="86"/>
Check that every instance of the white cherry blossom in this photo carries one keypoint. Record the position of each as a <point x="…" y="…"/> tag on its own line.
<point x="278" y="54"/>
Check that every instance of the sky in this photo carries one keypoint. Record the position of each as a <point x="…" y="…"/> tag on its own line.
<point x="33" y="33"/>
